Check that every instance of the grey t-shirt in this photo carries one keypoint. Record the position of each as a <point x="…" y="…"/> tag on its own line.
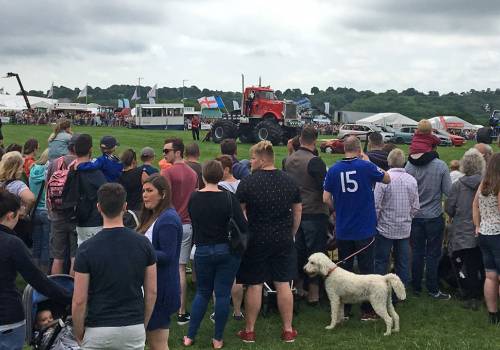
<point x="15" y="187"/>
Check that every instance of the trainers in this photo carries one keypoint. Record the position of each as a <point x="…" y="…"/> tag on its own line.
<point x="369" y="316"/>
<point x="289" y="336"/>
<point x="212" y="317"/>
<point x="440" y="295"/>
<point x="239" y="317"/>
<point x="246" y="336"/>
<point x="183" y="319"/>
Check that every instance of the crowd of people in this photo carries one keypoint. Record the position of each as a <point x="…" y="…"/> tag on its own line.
<point x="130" y="232"/>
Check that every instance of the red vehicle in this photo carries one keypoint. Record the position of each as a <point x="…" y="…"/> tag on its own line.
<point x="332" y="146"/>
<point x="262" y="117"/>
<point x="455" y="139"/>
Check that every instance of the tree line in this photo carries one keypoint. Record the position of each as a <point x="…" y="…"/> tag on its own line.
<point x="471" y="105"/>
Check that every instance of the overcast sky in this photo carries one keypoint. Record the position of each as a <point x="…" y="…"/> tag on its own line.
<point x="445" y="45"/>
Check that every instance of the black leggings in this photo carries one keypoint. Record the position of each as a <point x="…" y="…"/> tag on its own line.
<point x="196" y="133"/>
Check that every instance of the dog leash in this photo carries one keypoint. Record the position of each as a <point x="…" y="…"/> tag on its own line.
<point x="349" y="257"/>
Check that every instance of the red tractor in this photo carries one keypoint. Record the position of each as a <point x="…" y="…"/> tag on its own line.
<point x="262" y="117"/>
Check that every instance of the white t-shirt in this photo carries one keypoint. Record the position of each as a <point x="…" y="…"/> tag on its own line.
<point x="149" y="232"/>
<point x="230" y="186"/>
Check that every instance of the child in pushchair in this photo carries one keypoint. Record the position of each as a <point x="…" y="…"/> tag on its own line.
<point x="48" y="323"/>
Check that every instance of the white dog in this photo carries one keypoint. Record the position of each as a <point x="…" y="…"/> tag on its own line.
<point x="344" y="287"/>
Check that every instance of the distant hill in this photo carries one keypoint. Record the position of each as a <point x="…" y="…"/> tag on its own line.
<point x="410" y="102"/>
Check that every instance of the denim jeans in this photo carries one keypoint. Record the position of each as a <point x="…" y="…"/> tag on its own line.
<point x="216" y="270"/>
<point x="426" y="242"/>
<point x="41" y="236"/>
<point x="13" y="339"/>
<point x="311" y="238"/>
<point x="365" y="262"/>
<point x="401" y="251"/>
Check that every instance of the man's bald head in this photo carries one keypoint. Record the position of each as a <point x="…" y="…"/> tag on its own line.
<point x="485" y="150"/>
<point x="352" y="145"/>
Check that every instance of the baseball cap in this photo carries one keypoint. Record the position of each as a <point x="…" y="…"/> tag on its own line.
<point x="147" y="152"/>
<point x="109" y="142"/>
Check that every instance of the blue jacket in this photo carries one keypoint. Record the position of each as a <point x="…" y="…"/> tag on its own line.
<point x="110" y="166"/>
<point x="167" y="238"/>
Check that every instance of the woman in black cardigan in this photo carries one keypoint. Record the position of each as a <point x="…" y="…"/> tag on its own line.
<point x="14" y="258"/>
<point x="215" y="264"/>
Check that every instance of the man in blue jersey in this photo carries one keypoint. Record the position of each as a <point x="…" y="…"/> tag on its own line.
<point x="348" y="189"/>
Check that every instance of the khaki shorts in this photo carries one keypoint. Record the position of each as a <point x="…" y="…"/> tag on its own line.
<point x="187" y="237"/>
<point x="63" y="236"/>
<point x="115" y="338"/>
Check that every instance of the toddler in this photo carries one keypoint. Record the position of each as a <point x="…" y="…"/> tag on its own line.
<point x="423" y="144"/>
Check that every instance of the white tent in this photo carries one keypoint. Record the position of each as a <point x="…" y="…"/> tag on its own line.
<point x="16" y="102"/>
<point x="451" y="122"/>
<point x="383" y="119"/>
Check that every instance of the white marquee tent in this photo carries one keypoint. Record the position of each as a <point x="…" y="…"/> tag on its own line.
<point x="383" y="119"/>
<point x="16" y="102"/>
<point x="451" y="122"/>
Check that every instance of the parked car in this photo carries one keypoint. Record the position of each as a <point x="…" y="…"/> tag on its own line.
<point x="332" y="146"/>
<point x="362" y="130"/>
<point x="454" y="140"/>
<point x="404" y="135"/>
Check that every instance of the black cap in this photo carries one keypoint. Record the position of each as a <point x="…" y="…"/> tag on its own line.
<point x="108" y="142"/>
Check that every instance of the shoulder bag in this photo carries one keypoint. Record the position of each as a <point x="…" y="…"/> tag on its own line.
<point x="238" y="240"/>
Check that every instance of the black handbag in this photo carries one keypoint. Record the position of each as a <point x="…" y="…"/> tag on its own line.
<point x="238" y="240"/>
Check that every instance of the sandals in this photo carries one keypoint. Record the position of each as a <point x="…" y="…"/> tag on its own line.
<point x="218" y="346"/>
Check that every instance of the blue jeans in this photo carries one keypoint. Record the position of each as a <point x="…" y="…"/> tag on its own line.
<point x="426" y="242"/>
<point x="401" y="251"/>
<point x="13" y="339"/>
<point x="41" y="233"/>
<point x="216" y="270"/>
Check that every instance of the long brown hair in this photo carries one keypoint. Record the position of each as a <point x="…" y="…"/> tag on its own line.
<point x="491" y="181"/>
<point x="62" y="125"/>
<point x="148" y="216"/>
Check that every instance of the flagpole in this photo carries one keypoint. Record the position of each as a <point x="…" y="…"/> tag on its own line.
<point x="86" y="93"/>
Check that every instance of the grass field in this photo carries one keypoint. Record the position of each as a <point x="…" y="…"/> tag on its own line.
<point x="425" y="323"/>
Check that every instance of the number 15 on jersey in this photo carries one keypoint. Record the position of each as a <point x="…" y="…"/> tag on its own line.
<point x="348" y="184"/>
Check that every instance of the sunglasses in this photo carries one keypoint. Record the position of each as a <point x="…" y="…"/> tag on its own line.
<point x="166" y="150"/>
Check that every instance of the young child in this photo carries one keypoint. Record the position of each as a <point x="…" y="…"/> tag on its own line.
<point x="43" y="319"/>
<point x="423" y="144"/>
<point x="455" y="173"/>
<point x="147" y="158"/>
<point x="109" y="163"/>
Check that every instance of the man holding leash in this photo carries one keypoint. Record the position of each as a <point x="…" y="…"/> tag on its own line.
<point x="348" y="189"/>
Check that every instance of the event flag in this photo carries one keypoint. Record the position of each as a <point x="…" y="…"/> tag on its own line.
<point x="51" y="91"/>
<point x="126" y="103"/>
<point x="208" y="102"/>
<point x="236" y="105"/>
<point x="327" y="107"/>
<point x="135" y="96"/>
<point x="83" y="93"/>
<point x="220" y="103"/>
<point x="152" y="92"/>
<point x="120" y="103"/>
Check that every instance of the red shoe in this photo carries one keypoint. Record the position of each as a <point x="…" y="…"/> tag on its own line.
<point x="246" y="336"/>
<point x="289" y="336"/>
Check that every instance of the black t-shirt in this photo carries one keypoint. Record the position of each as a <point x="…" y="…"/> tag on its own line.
<point x="116" y="260"/>
<point x="131" y="180"/>
<point x="269" y="195"/>
<point x="209" y="212"/>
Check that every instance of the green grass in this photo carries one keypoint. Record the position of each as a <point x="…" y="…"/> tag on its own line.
<point x="425" y="323"/>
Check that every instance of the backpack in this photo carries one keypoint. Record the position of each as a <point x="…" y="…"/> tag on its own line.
<point x="55" y="185"/>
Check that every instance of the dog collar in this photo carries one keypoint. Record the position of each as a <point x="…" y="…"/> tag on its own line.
<point x="330" y="271"/>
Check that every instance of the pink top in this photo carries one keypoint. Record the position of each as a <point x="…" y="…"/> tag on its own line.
<point x="422" y="143"/>
<point x="183" y="181"/>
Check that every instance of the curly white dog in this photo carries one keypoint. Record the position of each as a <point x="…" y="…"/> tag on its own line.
<point x="344" y="287"/>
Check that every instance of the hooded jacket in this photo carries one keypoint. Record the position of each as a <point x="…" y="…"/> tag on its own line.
<point x="110" y="166"/>
<point x="37" y="177"/>
<point x="459" y="207"/>
<point x="90" y="180"/>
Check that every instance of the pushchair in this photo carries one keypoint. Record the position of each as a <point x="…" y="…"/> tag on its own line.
<point x="59" y="335"/>
<point x="270" y="302"/>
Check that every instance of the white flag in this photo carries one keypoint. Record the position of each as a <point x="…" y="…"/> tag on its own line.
<point x="152" y="92"/>
<point x="83" y="93"/>
<point x="327" y="107"/>
<point x="236" y="105"/>
<point x="152" y="100"/>
<point x="135" y="97"/>
<point x="51" y="91"/>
